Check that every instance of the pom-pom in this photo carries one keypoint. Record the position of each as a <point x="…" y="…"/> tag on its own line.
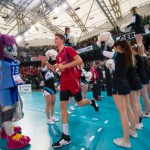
<point x="72" y="40"/>
<point x="105" y="37"/>
<point x="88" y="76"/>
<point x="110" y="64"/>
<point x="124" y="28"/>
<point x="51" y="54"/>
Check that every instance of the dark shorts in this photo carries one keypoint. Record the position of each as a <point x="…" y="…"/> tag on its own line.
<point x="64" y="96"/>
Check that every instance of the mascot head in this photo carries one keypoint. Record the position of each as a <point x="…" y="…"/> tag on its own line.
<point x="8" y="46"/>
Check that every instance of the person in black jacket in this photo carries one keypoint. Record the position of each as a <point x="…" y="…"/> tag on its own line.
<point x="108" y="80"/>
<point x="100" y="78"/>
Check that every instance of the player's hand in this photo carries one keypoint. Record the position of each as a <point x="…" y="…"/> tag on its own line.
<point x="42" y="58"/>
<point x="61" y="67"/>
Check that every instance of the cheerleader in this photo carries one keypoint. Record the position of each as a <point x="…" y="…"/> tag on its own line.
<point x="141" y="70"/>
<point x="67" y="33"/>
<point x="136" y="24"/>
<point x="135" y="85"/>
<point x="84" y="83"/>
<point x="47" y="71"/>
<point x="121" y="89"/>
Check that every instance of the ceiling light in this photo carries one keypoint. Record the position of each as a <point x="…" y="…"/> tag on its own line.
<point x="55" y="18"/>
<point x="77" y="8"/>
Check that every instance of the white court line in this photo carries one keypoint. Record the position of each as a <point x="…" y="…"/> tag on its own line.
<point x="99" y="130"/>
<point x="56" y="112"/>
<point x="91" y="138"/>
<point x="73" y="115"/>
<point x="95" y="118"/>
<point x="82" y="148"/>
<point x="83" y="117"/>
<point x="106" y="122"/>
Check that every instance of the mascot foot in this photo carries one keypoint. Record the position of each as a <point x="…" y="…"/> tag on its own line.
<point x="17" y="141"/>
<point x="3" y="134"/>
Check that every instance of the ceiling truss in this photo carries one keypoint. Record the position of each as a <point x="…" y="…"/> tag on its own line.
<point x="116" y="8"/>
<point x="107" y="12"/>
<point x="76" y="18"/>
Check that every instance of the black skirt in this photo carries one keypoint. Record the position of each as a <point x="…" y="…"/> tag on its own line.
<point x="120" y="86"/>
<point x="143" y="76"/>
<point x="135" y="83"/>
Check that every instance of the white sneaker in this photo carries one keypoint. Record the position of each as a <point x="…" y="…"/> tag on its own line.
<point x="72" y="108"/>
<point x="133" y="133"/>
<point x="50" y="121"/>
<point x="146" y="115"/>
<point x="141" y="124"/>
<point x="138" y="126"/>
<point x="120" y="142"/>
<point x="55" y="119"/>
<point x="69" y="112"/>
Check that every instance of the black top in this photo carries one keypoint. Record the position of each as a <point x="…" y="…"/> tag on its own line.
<point x="132" y="72"/>
<point x="50" y="80"/>
<point x="137" y="25"/>
<point x="67" y="43"/>
<point x="142" y="69"/>
<point x="141" y="63"/>
<point x="120" y="68"/>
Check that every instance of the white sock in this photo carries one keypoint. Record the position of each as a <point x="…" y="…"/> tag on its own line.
<point x="90" y="102"/>
<point x="65" y="129"/>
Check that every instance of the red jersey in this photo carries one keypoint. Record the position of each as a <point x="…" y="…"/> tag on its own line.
<point x="64" y="57"/>
<point x="94" y="74"/>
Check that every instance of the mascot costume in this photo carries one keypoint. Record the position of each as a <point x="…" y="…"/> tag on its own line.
<point x="10" y="101"/>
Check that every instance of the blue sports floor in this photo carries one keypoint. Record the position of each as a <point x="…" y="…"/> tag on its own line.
<point x="89" y="130"/>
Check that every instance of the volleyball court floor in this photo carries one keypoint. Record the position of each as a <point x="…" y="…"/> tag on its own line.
<point x="89" y="130"/>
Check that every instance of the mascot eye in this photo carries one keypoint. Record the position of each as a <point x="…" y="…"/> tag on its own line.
<point x="9" y="49"/>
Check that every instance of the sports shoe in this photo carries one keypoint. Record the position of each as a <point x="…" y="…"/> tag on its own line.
<point x="55" y="119"/>
<point x="120" y="142"/>
<point x="76" y="105"/>
<point x="17" y="141"/>
<point x="145" y="115"/>
<point x="133" y="133"/>
<point x="94" y="104"/>
<point x="3" y="134"/>
<point x="65" y="139"/>
<point x="50" y="121"/>
<point x="141" y="124"/>
<point x="138" y="126"/>
<point x="69" y="112"/>
<point x="72" y="108"/>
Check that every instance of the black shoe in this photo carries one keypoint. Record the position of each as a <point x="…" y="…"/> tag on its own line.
<point x="65" y="139"/>
<point x="94" y="104"/>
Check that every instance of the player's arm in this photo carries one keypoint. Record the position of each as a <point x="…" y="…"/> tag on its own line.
<point x="76" y="61"/>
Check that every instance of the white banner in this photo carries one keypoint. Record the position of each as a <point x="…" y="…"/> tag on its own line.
<point x="86" y="49"/>
<point x="26" y="88"/>
<point x="132" y="35"/>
